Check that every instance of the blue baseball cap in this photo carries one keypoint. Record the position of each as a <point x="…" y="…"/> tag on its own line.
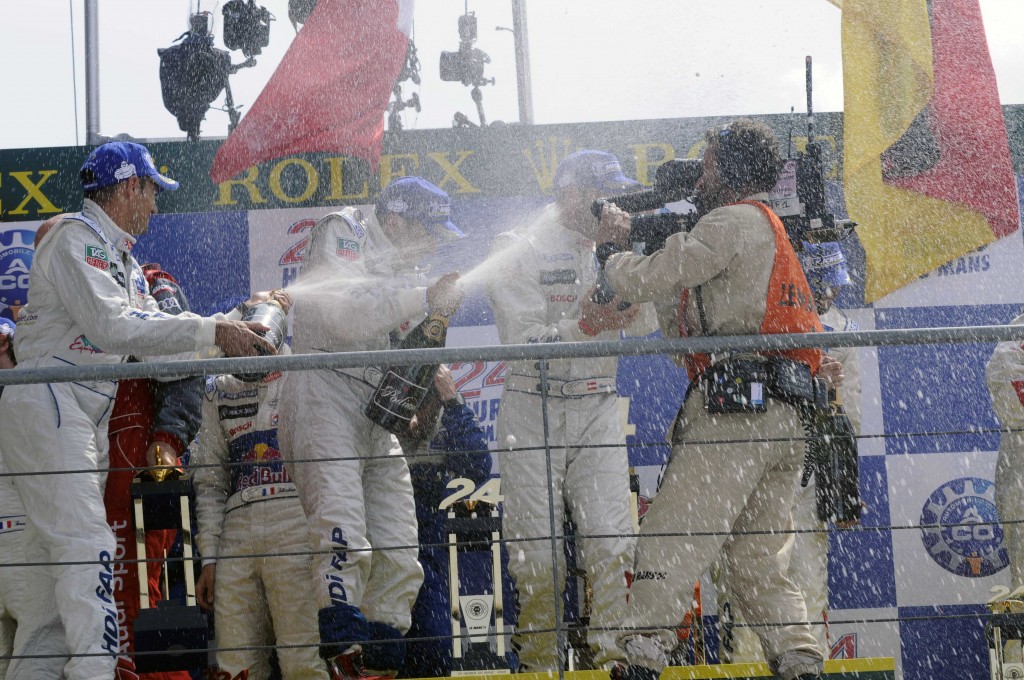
<point x="824" y="262"/>
<point x="7" y="327"/>
<point x="417" y="199"/>
<point x="593" y="169"/>
<point x="115" y="162"/>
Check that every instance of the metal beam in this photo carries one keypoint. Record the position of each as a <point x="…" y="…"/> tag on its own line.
<point x="523" y="85"/>
<point x="92" y="74"/>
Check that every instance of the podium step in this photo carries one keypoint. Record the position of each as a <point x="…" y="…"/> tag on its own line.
<point x="880" y="668"/>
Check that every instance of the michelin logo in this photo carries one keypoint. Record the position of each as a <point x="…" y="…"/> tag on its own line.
<point x="961" y="530"/>
<point x="125" y="171"/>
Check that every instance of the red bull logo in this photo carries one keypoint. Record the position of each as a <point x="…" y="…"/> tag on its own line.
<point x="266" y="467"/>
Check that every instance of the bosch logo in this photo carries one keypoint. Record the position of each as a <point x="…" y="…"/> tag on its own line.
<point x="241" y="428"/>
<point x="968" y="540"/>
<point x="476" y="610"/>
<point x="16" y="253"/>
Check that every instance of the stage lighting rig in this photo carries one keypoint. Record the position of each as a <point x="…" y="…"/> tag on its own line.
<point x="246" y="26"/>
<point x="193" y="73"/>
<point x="467" y="64"/>
<point x="410" y="71"/>
<point x="299" y="11"/>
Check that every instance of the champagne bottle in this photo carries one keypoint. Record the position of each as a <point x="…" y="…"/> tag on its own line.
<point x="402" y="388"/>
<point x="270" y="314"/>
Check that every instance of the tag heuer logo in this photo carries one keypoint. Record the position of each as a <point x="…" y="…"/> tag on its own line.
<point x="96" y="256"/>
<point x="348" y="249"/>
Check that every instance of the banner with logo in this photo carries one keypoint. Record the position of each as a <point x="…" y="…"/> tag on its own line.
<point x="902" y="585"/>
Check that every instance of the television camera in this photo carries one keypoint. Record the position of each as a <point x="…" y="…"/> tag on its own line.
<point x="467" y="64"/>
<point x="193" y="73"/>
<point x="798" y="198"/>
<point x="246" y="26"/>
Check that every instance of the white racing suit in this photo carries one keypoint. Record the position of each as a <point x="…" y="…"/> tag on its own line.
<point x="546" y="268"/>
<point x="729" y="484"/>
<point x="88" y="304"/>
<point x="807" y="552"/>
<point x="1005" y="376"/>
<point x="16" y="606"/>
<point x="245" y="504"/>
<point x="352" y="478"/>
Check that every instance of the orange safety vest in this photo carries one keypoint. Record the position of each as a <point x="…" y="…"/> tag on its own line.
<point x="789" y="307"/>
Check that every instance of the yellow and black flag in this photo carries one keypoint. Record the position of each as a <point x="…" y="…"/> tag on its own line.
<point x="927" y="169"/>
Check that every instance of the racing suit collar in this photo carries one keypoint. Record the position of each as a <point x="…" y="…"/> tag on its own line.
<point x="121" y="239"/>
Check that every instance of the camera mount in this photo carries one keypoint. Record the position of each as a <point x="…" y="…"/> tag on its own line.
<point x="410" y="71"/>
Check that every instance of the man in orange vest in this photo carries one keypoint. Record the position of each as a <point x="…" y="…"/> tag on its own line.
<point x="738" y="441"/>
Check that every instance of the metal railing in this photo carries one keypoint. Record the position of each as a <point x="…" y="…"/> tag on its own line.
<point x="543" y="351"/>
<point x="559" y="350"/>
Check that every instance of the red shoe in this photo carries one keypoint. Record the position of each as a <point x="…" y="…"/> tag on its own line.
<point x="349" y="666"/>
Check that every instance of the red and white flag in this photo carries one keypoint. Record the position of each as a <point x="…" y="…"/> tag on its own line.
<point x="330" y="91"/>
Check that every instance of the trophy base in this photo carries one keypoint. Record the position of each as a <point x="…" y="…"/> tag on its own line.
<point x="175" y="637"/>
<point x="477" y="659"/>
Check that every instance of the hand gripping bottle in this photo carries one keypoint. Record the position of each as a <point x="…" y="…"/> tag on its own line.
<point x="403" y="388"/>
<point x="271" y="315"/>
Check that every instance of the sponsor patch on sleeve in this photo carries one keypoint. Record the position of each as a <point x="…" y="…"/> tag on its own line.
<point x="348" y="249"/>
<point x="96" y="256"/>
<point x="82" y="344"/>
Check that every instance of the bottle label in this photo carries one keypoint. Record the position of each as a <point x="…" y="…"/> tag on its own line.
<point x="434" y="330"/>
<point x="398" y="396"/>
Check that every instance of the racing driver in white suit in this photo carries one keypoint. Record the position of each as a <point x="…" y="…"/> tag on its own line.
<point x="89" y="304"/>
<point x="246" y="503"/>
<point x="358" y="291"/>
<point x="543" y="294"/>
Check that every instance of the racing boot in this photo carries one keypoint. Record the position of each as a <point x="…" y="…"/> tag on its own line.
<point x="643" y="655"/>
<point x="621" y="671"/>
<point x="349" y="666"/>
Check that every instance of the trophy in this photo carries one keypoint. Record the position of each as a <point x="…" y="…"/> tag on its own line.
<point x="474" y="527"/>
<point x="171" y="636"/>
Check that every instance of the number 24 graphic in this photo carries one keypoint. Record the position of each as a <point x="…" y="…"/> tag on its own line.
<point x="466" y="489"/>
